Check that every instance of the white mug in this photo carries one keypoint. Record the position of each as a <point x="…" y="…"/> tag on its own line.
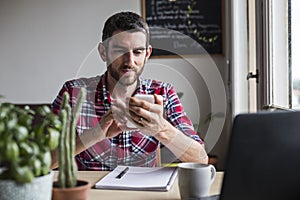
<point x="195" y="179"/>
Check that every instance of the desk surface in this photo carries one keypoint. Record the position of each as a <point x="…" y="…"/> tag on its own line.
<point x="172" y="194"/>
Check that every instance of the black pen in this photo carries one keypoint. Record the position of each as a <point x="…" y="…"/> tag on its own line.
<point x="122" y="173"/>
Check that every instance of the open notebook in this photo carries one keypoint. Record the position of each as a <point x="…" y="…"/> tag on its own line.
<point x="139" y="178"/>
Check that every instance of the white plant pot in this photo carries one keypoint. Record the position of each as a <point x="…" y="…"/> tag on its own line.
<point x="39" y="189"/>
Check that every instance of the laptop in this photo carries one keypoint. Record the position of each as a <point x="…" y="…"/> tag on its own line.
<point x="263" y="161"/>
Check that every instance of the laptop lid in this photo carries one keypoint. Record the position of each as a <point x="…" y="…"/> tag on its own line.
<point x="264" y="157"/>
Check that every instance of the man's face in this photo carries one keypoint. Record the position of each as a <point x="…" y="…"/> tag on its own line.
<point x="126" y="55"/>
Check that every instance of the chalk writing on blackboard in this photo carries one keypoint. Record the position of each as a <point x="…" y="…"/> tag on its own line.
<point x="199" y="20"/>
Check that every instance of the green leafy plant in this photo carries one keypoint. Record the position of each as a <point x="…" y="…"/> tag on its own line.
<point x="66" y="148"/>
<point x="26" y="149"/>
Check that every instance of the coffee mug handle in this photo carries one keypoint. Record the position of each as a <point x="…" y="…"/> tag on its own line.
<point x="213" y="173"/>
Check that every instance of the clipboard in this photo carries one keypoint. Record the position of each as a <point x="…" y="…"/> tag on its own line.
<point x="139" y="178"/>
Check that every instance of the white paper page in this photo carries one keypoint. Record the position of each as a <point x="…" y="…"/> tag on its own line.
<point x="139" y="178"/>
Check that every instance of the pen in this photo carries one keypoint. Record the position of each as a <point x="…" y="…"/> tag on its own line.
<point x="122" y="173"/>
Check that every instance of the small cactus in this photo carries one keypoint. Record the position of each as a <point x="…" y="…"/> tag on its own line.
<point x="67" y="176"/>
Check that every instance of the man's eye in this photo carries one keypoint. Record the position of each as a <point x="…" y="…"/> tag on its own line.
<point x="120" y="51"/>
<point x="138" y="52"/>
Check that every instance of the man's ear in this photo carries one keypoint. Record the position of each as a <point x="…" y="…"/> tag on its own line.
<point x="148" y="52"/>
<point x="102" y="51"/>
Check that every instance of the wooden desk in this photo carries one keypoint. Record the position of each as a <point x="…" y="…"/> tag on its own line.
<point x="172" y="194"/>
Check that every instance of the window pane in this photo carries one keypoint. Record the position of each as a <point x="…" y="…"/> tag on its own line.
<point x="278" y="55"/>
<point x="295" y="52"/>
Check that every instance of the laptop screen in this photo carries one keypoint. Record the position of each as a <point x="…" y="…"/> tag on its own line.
<point x="263" y="160"/>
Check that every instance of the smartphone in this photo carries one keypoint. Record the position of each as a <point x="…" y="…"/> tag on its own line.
<point x="146" y="97"/>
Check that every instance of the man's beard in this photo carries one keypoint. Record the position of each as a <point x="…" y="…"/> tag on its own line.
<point x="122" y="80"/>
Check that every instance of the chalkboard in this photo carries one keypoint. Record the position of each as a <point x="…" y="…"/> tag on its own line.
<point x="184" y="27"/>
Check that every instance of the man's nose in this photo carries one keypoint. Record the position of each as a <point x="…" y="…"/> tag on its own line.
<point x="129" y="58"/>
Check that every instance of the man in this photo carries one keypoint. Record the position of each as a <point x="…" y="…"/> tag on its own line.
<point x="104" y="139"/>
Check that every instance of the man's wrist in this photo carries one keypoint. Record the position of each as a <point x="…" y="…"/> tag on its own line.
<point x="97" y="133"/>
<point x="166" y="134"/>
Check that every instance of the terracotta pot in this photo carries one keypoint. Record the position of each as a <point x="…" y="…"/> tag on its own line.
<point x="80" y="192"/>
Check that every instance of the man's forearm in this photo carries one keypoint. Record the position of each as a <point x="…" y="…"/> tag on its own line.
<point x="182" y="146"/>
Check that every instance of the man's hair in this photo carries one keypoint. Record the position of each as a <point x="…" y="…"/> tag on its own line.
<point x="125" y="21"/>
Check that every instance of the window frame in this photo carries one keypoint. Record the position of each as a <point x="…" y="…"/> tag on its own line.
<point x="272" y="54"/>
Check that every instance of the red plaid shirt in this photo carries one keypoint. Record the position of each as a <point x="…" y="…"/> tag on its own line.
<point x="130" y="147"/>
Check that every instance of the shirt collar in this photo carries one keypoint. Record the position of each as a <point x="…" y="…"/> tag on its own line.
<point x="141" y="87"/>
<point x="103" y="89"/>
<point x="105" y="95"/>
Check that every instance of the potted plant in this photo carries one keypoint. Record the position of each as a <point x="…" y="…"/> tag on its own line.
<point x="25" y="161"/>
<point x="67" y="186"/>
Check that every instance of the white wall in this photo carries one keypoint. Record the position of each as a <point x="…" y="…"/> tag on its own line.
<point x="44" y="43"/>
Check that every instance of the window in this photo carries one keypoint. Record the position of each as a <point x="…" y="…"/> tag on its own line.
<point x="273" y="49"/>
<point x="294" y="41"/>
<point x="277" y="54"/>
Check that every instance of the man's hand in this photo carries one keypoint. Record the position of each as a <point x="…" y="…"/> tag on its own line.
<point x="148" y="117"/>
<point x="114" y="121"/>
<point x="108" y="125"/>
